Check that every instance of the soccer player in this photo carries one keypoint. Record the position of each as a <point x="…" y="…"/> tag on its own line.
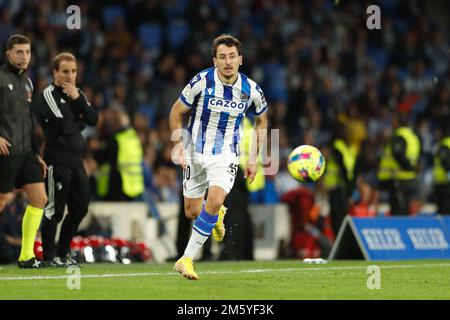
<point x="20" y="163"/>
<point x="64" y="112"/>
<point x="219" y="98"/>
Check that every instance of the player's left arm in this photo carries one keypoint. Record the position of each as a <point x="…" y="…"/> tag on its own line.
<point x="259" y="139"/>
<point x="259" y="110"/>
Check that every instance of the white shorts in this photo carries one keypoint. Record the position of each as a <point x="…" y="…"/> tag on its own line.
<point x="204" y="171"/>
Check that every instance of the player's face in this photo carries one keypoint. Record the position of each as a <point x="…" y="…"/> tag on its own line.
<point x="67" y="72"/>
<point x="227" y="61"/>
<point x="19" y="55"/>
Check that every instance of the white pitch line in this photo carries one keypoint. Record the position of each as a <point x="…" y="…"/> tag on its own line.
<point x="107" y="275"/>
<point x="145" y="274"/>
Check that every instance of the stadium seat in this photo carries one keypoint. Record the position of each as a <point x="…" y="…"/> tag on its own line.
<point x="400" y="25"/>
<point x="111" y="13"/>
<point x="378" y="56"/>
<point x="176" y="8"/>
<point x="257" y="24"/>
<point x="150" y="35"/>
<point x="177" y="32"/>
<point x="149" y="112"/>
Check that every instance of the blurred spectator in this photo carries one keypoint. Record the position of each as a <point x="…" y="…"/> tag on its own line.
<point x="364" y="200"/>
<point x="120" y="176"/>
<point x="441" y="174"/>
<point x="283" y="180"/>
<point x="119" y="39"/>
<point x="339" y="175"/>
<point x="310" y="231"/>
<point x="11" y="227"/>
<point x="238" y="241"/>
<point x="399" y="167"/>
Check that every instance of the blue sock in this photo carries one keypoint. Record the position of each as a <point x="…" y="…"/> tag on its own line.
<point x="205" y="222"/>
<point x="202" y="228"/>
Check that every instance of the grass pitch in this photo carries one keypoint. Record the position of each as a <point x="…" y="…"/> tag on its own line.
<point x="249" y="280"/>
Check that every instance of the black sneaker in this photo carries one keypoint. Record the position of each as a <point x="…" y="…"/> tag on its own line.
<point x="69" y="260"/>
<point x="32" y="263"/>
<point x="56" y="262"/>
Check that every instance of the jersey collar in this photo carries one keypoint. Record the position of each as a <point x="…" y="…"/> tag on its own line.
<point x="216" y="73"/>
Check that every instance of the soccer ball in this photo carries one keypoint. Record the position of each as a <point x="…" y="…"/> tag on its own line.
<point x="306" y="163"/>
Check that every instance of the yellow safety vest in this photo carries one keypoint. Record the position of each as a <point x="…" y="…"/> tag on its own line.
<point x="129" y="165"/>
<point x="389" y="168"/>
<point x="439" y="173"/>
<point x="333" y="174"/>
<point x="246" y="142"/>
<point x="102" y="177"/>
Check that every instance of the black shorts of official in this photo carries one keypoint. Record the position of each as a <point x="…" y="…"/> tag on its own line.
<point x="18" y="170"/>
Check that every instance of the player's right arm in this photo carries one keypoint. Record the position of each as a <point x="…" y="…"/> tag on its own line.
<point x="176" y="131"/>
<point x="187" y="99"/>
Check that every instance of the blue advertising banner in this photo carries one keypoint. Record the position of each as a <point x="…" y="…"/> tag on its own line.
<point x="446" y="223"/>
<point x="393" y="238"/>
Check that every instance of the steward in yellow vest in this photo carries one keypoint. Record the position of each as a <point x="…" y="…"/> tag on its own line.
<point x="441" y="175"/>
<point x="339" y="178"/>
<point x="397" y="171"/>
<point x="400" y="156"/>
<point x="120" y="176"/>
<point x="341" y="165"/>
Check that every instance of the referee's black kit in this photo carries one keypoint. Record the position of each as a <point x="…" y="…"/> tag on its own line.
<point x="20" y="167"/>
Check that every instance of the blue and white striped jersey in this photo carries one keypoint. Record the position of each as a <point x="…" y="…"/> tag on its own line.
<point x="218" y="110"/>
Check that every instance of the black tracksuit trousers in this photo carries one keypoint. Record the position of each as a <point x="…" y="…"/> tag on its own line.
<point x="65" y="184"/>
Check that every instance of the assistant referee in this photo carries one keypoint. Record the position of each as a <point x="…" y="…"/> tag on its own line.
<point x="20" y="163"/>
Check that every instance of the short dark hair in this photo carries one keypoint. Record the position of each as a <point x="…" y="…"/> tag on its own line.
<point x="63" y="56"/>
<point x="228" y="40"/>
<point x="16" y="39"/>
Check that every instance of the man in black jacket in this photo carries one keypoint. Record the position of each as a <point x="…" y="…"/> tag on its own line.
<point x="63" y="111"/>
<point x="20" y="163"/>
